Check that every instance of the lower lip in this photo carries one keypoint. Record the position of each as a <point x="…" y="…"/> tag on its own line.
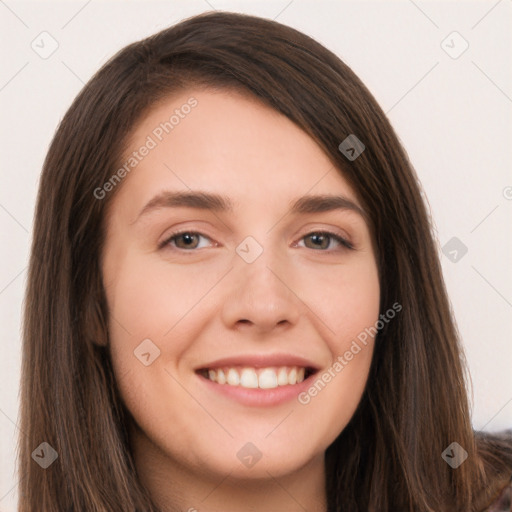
<point x="258" y="397"/>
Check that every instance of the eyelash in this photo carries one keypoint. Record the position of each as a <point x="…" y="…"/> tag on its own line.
<point x="342" y="241"/>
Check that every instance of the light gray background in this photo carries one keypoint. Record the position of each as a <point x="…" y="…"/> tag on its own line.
<point x="452" y="115"/>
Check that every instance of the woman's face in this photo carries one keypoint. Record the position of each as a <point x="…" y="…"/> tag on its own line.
<point x="249" y="294"/>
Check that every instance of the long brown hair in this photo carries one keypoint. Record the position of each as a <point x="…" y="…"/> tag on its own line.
<point x="389" y="456"/>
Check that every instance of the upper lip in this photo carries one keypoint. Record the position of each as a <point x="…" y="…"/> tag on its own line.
<point x="261" y="361"/>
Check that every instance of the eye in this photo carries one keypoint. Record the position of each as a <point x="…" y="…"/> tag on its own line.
<point x="185" y="240"/>
<point x="322" y="240"/>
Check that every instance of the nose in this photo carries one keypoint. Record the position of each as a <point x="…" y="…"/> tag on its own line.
<point x="261" y="295"/>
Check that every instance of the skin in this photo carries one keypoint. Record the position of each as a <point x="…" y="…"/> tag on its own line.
<point x="198" y="305"/>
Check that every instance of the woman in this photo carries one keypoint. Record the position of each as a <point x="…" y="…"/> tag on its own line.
<point x="234" y="300"/>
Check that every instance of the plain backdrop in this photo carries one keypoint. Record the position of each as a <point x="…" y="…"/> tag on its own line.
<point x="450" y="105"/>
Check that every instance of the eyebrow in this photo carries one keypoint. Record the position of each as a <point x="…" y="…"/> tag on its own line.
<point x="217" y="203"/>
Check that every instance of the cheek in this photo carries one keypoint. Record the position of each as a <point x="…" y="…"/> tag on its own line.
<point x="346" y="299"/>
<point x="147" y="301"/>
<point x="146" y="298"/>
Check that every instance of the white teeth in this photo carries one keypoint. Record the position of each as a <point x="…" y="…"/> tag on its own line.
<point x="249" y="378"/>
<point x="233" y="378"/>
<point x="263" y="378"/>
<point x="267" y="379"/>
<point x="282" y="377"/>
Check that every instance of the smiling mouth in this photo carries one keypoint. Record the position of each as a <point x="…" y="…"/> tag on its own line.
<point x="254" y="378"/>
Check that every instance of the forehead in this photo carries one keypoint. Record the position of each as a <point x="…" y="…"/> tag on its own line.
<point x="230" y="143"/>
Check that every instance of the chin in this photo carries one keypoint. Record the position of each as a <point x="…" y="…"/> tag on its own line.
<point x="260" y="458"/>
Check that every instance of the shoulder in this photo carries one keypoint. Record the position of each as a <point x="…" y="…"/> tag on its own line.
<point x="495" y="452"/>
<point x="504" y="501"/>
